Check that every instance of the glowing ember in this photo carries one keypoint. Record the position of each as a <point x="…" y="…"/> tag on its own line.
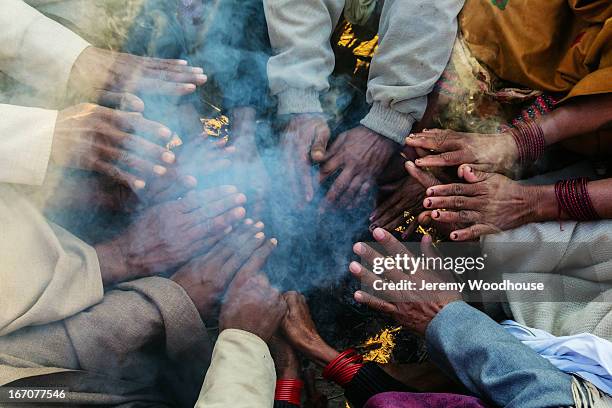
<point x="363" y="50"/>
<point x="174" y="142"/>
<point x="217" y="127"/>
<point x="380" y="347"/>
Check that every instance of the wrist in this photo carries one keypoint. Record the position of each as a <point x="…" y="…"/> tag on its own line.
<point x="113" y="267"/>
<point x="543" y="202"/>
<point x="318" y="351"/>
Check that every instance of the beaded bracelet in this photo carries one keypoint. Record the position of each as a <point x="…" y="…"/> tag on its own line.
<point x="344" y="367"/>
<point x="289" y="391"/>
<point x="529" y="139"/>
<point x="574" y="199"/>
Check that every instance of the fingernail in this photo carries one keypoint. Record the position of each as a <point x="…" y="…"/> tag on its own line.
<point x="189" y="87"/>
<point x="260" y="235"/>
<point x="274" y="241"/>
<point x="379" y="233"/>
<point x="371" y="218"/>
<point x="239" y="212"/>
<point x="182" y="62"/>
<point x="430" y="192"/>
<point x="190" y="181"/>
<point x="241" y="199"/>
<point x="435" y="214"/>
<point x="201" y="79"/>
<point x="197" y="70"/>
<point x="469" y="169"/>
<point x="159" y="170"/>
<point x="454" y="236"/>
<point x="228" y="230"/>
<point x="410" y="164"/>
<point x="139" y="184"/>
<point x="354" y="267"/>
<point x="165" y="133"/>
<point x="358" y="296"/>
<point x="359" y="249"/>
<point x="230" y="189"/>
<point x="168" y="157"/>
<point x="418" y="162"/>
<point x="428" y="203"/>
<point x="259" y="224"/>
<point x="248" y="221"/>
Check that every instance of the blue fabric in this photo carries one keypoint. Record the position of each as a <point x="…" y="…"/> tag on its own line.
<point x="586" y="355"/>
<point x="492" y="363"/>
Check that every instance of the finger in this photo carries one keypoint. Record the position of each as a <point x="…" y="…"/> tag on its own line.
<point x="171" y="187"/>
<point x="424" y="218"/>
<point x="221" y="206"/>
<point x="163" y="75"/>
<point x="331" y="166"/>
<point x="367" y="254"/>
<point x="305" y="178"/>
<point x="424" y="178"/>
<point x="131" y="162"/>
<point x="231" y="244"/>
<point x="339" y="187"/>
<point x="365" y="276"/>
<point x="390" y="224"/>
<point x="119" y="100"/>
<point x="350" y="195"/>
<point x="195" y="200"/>
<point x="472" y="233"/>
<point x="450" y="217"/>
<point x="257" y="260"/>
<point x="243" y="253"/>
<point x="211" y="226"/>
<point x="387" y="205"/>
<point x="375" y="303"/>
<point x="153" y="86"/>
<point x="440" y="140"/>
<point x="139" y="146"/>
<point x="133" y="122"/>
<point x="362" y="195"/>
<point x="122" y="177"/>
<point x="427" y="247"/>
<point x="456" y="189"/>
<point x="481" y="167"/>
<point x="391" y="247"/>
<point x="474" y="176"/>
<point x="319" y="146"/>
<point x="453" y="203"/>
<point x="452" y="158"/>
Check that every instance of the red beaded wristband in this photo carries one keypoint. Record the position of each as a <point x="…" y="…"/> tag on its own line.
<point x="344" y="367"/>
<point x="529" y="139"/>
<point x="289" y="391"/>
<point x="574" y="199"/>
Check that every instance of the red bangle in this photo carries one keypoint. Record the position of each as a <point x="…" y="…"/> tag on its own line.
<point x="343" y="368"/>
<point x="289" y="391"/>
<point x="529" y="139"/>
<point x="574" y="199"/>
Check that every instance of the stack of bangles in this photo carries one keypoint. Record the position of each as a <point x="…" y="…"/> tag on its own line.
<point x="529" y="139"/>
<point x="343" y="368"/>
<point x="574" y="199"/>
<point x="289" y="391"/>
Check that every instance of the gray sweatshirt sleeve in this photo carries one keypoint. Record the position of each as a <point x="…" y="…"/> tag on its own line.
<point x="416" y="41"/>
<point x="300" y="34"/>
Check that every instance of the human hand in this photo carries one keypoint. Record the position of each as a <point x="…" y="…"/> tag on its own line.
<point x="112" y="143"/>
<point x="303" y="142"/>
<point x="488" y="203"/>
<point x="251" y="304"/>
<point x="109" y="77"/>
<point x="206" y="278"/>
<point x="170" y="234"/>
<point x="300" y="331"/>
<point x="413" y="309"/>
<point x="493" y="153"/>
<point x="361" y="155"/>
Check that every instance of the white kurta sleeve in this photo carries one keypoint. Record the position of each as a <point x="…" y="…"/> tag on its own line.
<point x="241" y="373"/>
<point x="26" y="137"/>
<point x="36" y="50"/>
<point x="46" y="273"/>
<point x="300" y="34"/>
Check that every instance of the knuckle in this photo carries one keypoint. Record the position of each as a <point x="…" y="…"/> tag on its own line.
<point x="464" y="215"/>
<point x="459" y="202"/>
<point x="457" y="189"/>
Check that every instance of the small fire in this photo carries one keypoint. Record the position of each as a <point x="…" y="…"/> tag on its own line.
<point x="363" y="50"/>
<point x="217" y="127"/>
<point x="380" y="347"/>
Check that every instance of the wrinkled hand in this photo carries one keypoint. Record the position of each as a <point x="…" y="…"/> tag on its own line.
<point x="300" y="331"/>
<point x="304" y="141"/>
<point x="488" y="203"/>
<point x="109" y="77"/>
<point x="112" y="143"/>
<point x="285" y="359"/>
<point x="360" y="155"/>
<point x="251" y="303"/>
<point x="206" y="278"/>
<point x="170" y="234"/>
<point x="413" y="309"/>
<point x="494" y="153"/>
<point x="407" y="196"/>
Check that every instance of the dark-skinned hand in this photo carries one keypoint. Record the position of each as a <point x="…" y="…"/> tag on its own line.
<point x="170" y="234"/>
<point x="360" y="155"/>
<point x="413" y="309"/>
<point x="285" y="358"/>
<point x="206" y="278"/>
<point x="304" y="142"/>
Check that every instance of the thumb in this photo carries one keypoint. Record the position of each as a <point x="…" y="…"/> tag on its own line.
<point x="471" y="175"/>
<point x="319" y="146"/>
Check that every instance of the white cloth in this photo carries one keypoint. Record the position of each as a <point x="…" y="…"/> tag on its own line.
<point x="416" y="40"/>
<point x="46" y="273"/>
<point x="241" y="374"/>
<point x="586" y="355"/>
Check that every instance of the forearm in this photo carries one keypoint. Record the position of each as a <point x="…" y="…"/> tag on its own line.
<point x="547" y="207"/>
<point x="492" y="363"/>
<point x="416" y="40"/>
<point x="299" y="34"/>
<point x="578" y="117"/>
